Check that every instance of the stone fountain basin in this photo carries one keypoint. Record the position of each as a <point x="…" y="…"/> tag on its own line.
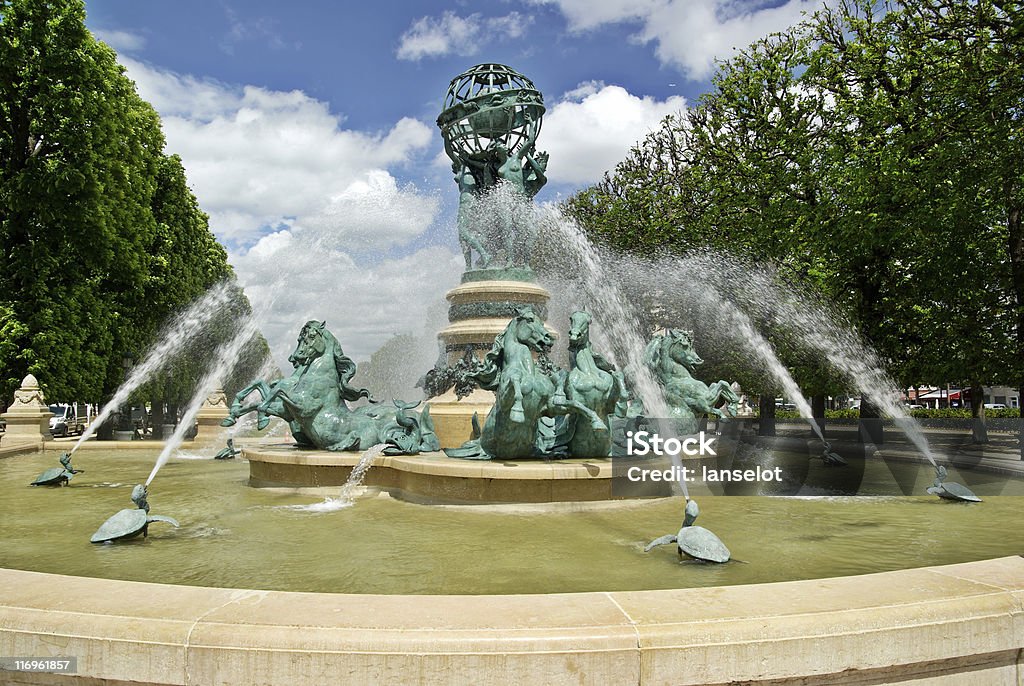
<point x="956" y="624"/>
<point x="964" y="621"/>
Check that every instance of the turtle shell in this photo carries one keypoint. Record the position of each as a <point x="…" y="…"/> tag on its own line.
<point x="955" y="491"/>
<point x="699" y="543"/>
<point x="52" y="477"/>
<point x="125" y="524"/>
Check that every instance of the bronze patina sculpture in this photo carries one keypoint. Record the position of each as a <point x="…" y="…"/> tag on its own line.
<point x="831" y="458"/>
<point x="593" y="389"/>
<point x="522" y="391"/>
<point x="694" y="541"/>
<point x="539" y="409"/>
<point x="673" y="360"/>
<point x="58" y="476"/>
<point x="470" y="237"/>
<point x="951" y="490"/>
<point x="129" y="523"/>
<point x="229" y="452"/>
<point x="314" y="401"/>
<point x="490" y="122"/>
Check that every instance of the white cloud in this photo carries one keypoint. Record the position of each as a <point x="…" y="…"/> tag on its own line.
<point x="452" y="34"/>
<point x="688" y="34"/>
<point x="296" y="196"/>
<point x="584" y="15"/>
<point x="592" y="128"/>
<point x="712" y="29"/>
<point x="294" y="275"/>
<point x="374" y="213"/>
<point x="122" y="41"/>
<point x="258" y="158"/>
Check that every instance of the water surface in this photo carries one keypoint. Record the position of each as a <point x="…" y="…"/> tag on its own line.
<point x="236" y="536"/>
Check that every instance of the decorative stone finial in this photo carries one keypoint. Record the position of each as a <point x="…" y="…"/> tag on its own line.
<point x="28" y="417"/>
<point x="29" y="396"/>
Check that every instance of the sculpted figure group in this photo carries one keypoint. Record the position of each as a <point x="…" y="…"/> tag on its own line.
<point x="314" y="401"/>
<point x="541" y="410"/>
<point x="521" y="175"/>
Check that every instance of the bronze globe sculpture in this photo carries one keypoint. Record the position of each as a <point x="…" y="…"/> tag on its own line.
<point x="490" y="122"/>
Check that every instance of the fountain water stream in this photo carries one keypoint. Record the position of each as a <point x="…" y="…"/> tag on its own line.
<point x="722" y="291"/>
<point x="176" y="335"/>
<point x="225" y="358"/>
<point x="347" y="496"/>
<point x="759" y="290"/>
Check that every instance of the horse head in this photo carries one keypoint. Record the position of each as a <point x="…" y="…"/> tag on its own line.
<point x="579" y="331"/>
<point x="312" y="343"/>
<point x="528" y="328"/>
<point x="679" y="346"/>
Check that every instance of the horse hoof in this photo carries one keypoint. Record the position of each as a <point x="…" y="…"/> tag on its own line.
<point x="598" y="426"/>
<point x="261" y="423"/>
<point x="517" y="416"/>
<point x="228" y="421"/>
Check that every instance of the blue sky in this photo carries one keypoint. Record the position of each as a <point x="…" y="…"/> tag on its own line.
<point x="307" y="129"/>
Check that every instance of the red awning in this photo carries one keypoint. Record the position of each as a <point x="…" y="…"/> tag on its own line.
<point x="941" y="394"/>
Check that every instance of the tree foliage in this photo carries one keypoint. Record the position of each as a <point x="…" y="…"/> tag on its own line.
<point x="100" y="237"/>
<point x="872" y="153"/>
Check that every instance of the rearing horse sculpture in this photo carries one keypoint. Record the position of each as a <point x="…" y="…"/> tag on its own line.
<point x="522" y="391"/>
<point x="521" y="388"/>
<point x="672" y="359"/>
<point x="591" y="389"/>
<point x="314" y="402"/>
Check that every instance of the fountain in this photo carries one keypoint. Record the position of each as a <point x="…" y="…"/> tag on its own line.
<point x="129" y="523"/>
<point x="552" y="586"/>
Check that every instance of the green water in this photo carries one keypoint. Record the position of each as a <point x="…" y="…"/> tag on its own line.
<point x="236" y="536"/>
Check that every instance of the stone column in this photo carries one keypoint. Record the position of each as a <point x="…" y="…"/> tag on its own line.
<point x="209" y="417"/>
<point x="28" y="419"/>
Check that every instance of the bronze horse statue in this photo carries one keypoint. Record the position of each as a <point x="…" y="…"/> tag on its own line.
<point x="314" y="401"/>
<point x="522" y="391"/>
<point x="673" y="360"/>
<point x="592" y="390"/>
<point x="540" y="410"/>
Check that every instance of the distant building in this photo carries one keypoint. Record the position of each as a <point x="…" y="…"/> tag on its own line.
<point x="936" y="398"/>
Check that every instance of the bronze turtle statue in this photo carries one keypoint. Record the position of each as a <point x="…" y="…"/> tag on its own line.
<point x="694" y="541"/>
<point x="58" y="476"/>
<point x="830" y="458"/>
<point x="951" y="490"/>
<point x="228" y="453"/>
<point x="129" y="523"/>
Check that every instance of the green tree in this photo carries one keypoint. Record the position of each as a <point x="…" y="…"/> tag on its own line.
<point x="872" y="153"/>
<point x="77" y="161"/>
<point x="101" y="238"/>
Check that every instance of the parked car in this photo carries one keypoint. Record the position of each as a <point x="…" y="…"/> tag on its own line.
<point x="915" y="407"/>
<point x="65" y="421"/>
<point x="995" y="406"/>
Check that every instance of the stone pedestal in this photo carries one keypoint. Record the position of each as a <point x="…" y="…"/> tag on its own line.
<point x="209" y="417"/>
<point x="479" y="310"/>
<point x="28" y="419"/>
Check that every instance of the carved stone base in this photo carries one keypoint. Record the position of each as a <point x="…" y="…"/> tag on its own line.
<point x="28" y="418"/>
<point x="453" y="418"/>
<point x="208" y="419"/>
